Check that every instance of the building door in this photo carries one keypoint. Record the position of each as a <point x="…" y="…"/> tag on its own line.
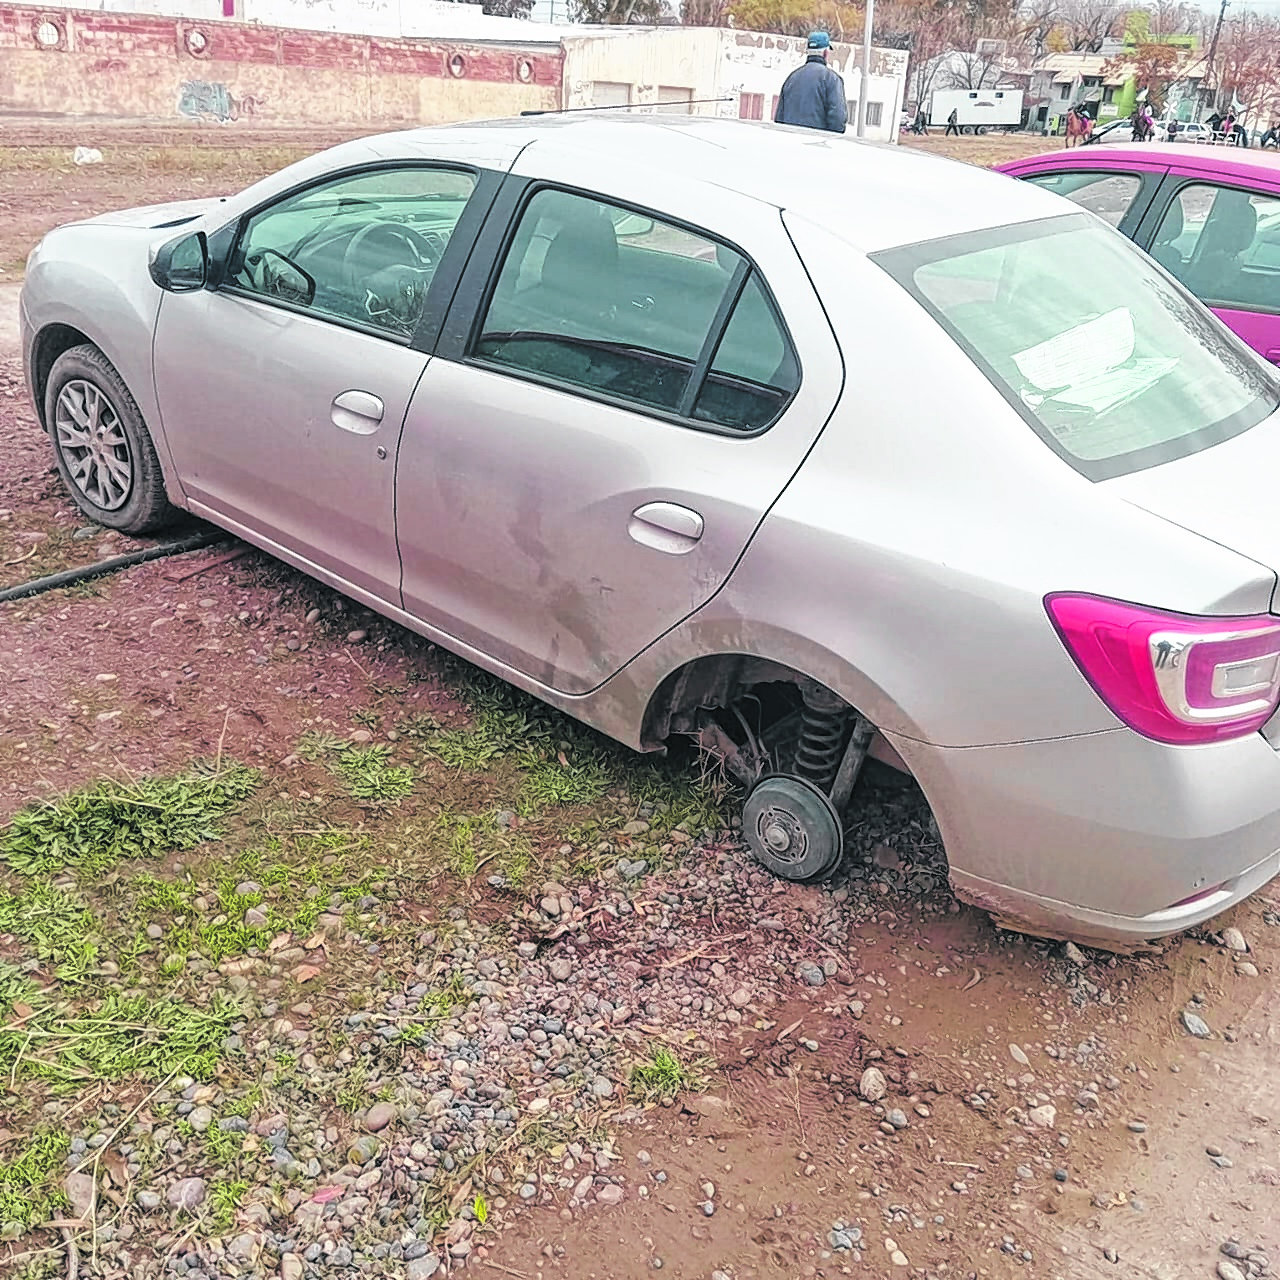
<point x="674" y="100"/>
<point x="610" y="93"/>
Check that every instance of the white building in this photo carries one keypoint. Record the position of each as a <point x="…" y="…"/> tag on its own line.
<point x="717" y="71"/>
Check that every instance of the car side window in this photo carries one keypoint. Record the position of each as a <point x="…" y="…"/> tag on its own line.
<point x="596" y="297"/>
<point x="362" y="249"/>
<point x="1224" y="245"/>
<point x="1109" y="195"/>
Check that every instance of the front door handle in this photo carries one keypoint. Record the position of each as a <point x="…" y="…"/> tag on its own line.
<point x="1274" y="356"/>
<point x="666" y="526"/>
<point x="357" y="411"/>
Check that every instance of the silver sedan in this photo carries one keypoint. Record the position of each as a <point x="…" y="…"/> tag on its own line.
<point x="812" y="449"/>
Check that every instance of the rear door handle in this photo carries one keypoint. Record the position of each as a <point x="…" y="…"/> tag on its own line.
<point x="357" y="411"/>
<point x="1274" y="356"/>
<point x="666" y="526"/>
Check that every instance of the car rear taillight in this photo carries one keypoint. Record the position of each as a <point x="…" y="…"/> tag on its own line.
<point x="1170" y="676"/>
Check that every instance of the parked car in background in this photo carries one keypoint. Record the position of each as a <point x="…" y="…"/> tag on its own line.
<point x="1190" y="131"/>
<point x="1210" y="217"/>
<point x="1121" y="131"/>
<point x="806" y="449"/>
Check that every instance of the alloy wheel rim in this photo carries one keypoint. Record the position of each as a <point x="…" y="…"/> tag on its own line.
<point x="93" y="444"/>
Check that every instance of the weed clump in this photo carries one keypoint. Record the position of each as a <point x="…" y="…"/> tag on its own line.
<point x="91" y="830"/>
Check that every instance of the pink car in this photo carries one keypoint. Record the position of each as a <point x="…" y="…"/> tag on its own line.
<point x="1210" y="217"/>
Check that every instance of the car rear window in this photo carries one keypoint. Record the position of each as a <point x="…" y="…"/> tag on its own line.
<point x="1115" y="366"/>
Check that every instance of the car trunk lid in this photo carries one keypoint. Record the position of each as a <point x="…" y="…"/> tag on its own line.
<point x="1226" y="493"/>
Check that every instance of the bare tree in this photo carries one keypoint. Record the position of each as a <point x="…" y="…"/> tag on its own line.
<point x="1087" y="24"/>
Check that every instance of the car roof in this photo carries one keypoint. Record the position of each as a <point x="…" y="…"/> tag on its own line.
<point x="871" y="195"/>
<point x="1223" y="161"/>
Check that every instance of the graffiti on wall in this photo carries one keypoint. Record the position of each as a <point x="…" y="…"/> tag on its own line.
<point x="212" y="100"/>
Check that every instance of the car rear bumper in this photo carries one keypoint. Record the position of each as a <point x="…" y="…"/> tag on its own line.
<point x="1106" y="838"/>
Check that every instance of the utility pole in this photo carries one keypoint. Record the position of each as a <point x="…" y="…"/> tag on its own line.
<point x="866" y="67"/>
<point x="1213" y="50"/>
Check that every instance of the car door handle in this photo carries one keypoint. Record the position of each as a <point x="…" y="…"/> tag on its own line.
<point x="357" y="411"/>
<point x="666" y="526"/>
<point x="1274" y="356"/>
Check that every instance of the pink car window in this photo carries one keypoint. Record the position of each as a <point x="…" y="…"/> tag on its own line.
<point x="1224" y="245"/>
<point x="1109" y="195"/>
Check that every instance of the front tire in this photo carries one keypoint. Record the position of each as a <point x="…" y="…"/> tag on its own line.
<point x="104" y="451"/>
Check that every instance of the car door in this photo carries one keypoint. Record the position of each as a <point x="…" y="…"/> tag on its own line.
<point x="618" y="397"/>
<point x="1222" y="240"/>
<point x="283" y="391"/>
<point x="1118" y="196"/>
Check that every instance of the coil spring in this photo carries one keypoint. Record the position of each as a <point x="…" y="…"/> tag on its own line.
<point x="821" y="737"/>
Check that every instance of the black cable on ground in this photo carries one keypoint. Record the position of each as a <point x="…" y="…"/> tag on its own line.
<point x="193" y="542"/>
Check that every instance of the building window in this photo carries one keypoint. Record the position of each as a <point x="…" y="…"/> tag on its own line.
<point x="48" y="34"/>
<point x="1064" y="91"/>
<point x="457" y="66"/>
<point x="524" y="70"/>
<point x="875" y="111"/>
<point x="751" y="106"/>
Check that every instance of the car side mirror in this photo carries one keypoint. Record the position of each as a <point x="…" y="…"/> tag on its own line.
<point x="182" y="265"/>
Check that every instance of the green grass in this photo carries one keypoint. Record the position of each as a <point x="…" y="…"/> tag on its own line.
<point x="224" y="1146"/>
<point x="370" y="775"/>
<point x="58" y="928"/>
<point x="15" y="988"/>
<point x="122" y="1036"/>
<point x="92" y="830"/>
<point x="663" y="1076"/>
<point x="224" y="1200"/>
<point x="29" y="1190"/>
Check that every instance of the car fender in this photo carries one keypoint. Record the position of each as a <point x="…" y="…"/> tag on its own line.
<point x="93" y="278"/>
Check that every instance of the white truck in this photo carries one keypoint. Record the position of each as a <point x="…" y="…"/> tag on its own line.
<point x="977" y="110"/>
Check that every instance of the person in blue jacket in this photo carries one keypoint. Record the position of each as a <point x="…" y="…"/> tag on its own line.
<point x="812" y="96"/>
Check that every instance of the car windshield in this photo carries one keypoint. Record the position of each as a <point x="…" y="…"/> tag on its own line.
<point x="1114" y="365"/>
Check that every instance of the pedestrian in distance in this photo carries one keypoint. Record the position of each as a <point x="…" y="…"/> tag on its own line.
<point x="812" y="96"/>
<point x="953" y="124"/>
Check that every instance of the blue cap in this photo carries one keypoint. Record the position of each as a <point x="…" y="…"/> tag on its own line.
<point x="819" y="40"/>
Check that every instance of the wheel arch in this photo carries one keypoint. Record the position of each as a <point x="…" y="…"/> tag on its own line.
<point x="50" y="342"/>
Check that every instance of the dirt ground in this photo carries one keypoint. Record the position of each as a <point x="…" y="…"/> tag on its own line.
<point x="1045" y="1112"/>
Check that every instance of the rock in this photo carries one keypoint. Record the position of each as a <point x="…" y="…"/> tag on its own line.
<point x="538" y="1107"/>
<point x="811" y="974"/>
<point x="1228" y="1270"/>
<point x="1015" y="1052"/>
<point x="245" y="1248"/>
<point x="897" y="1118"/>
<point x="583" y="1189"/>
<point x="636" y="828"/>
<point x="708" y="1208"/>
<point x="291" y="1267"/>
<point x="80" y="1191"/>
<point x="363" y="1149"/>
<point x="356" y="636"/>
<point x="155" y="932"/>
<point x="1074" y="954"/>
<point x="550" y="906"/>
<point x="741" y="998"/>
<point x="200" y="1118"/>
<point x="255" y="918"/>
<point x="610" y="1193"/>
<point x="527" y="950"/>
<point x="1233" y="940"/>
<point x="187" y="1193"/>
<point x="423" y="1268"/>
<point x="561" y="970"/>
<point x="602" y="1087"/>
<point x="148" y="1201"/>
<point x="1246" y="970"/>
<point x="1087" y="1100"/>
<point x="1196" y="1025"/>
<point x="898" y="1258"/>
<point x="379" y="1116"/>
<point x="1137" y="1126"/>
<point x="872" y="1086"/>
<point x="1042" y="1117"/>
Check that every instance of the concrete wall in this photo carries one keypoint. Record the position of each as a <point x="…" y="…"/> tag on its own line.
<point x="714" y="64"/>
<point x="139" y="66"/>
